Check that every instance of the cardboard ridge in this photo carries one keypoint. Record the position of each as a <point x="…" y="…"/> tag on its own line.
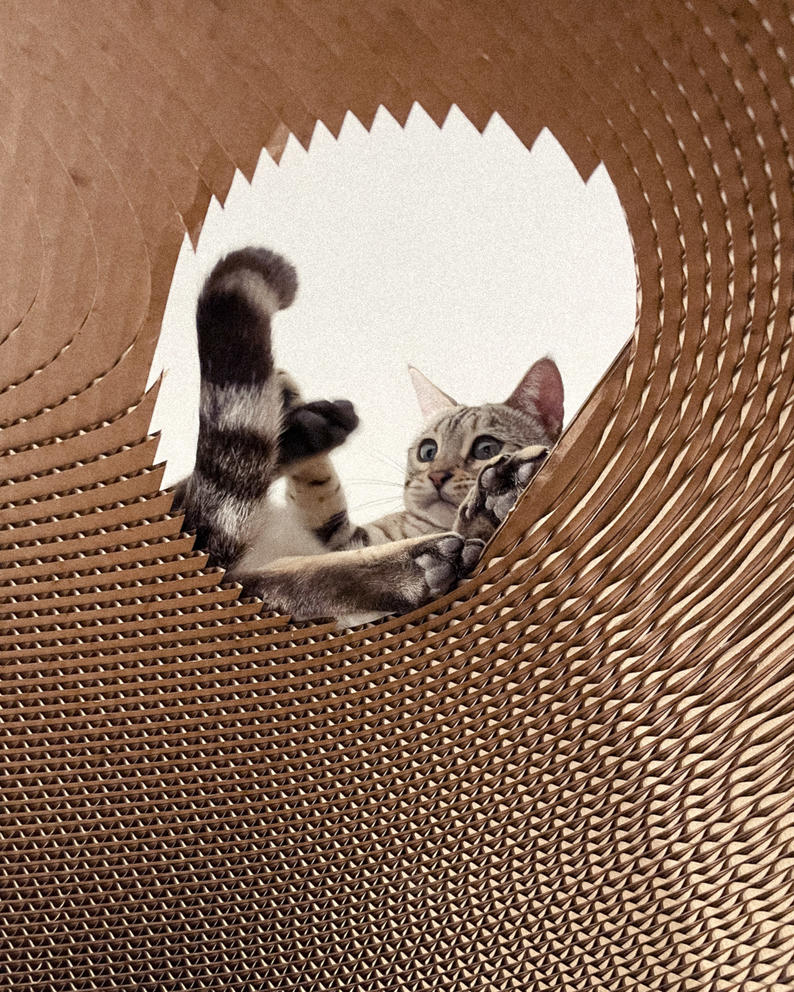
<point x="575" y="770"/>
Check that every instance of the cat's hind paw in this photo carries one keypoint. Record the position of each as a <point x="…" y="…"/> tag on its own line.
<point x="315" y="428"/>
<point x="444" y="560"/>
<point x="502" y="482"/>
<point x="497" y="489"/>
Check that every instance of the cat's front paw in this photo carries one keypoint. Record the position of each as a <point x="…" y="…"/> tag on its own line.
<point x="442" y="561"/>
<point x="497" y="489"/>
<point x="315" y="428"/>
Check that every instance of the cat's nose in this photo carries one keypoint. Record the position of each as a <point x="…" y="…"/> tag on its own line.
<point x="439" y="478"/>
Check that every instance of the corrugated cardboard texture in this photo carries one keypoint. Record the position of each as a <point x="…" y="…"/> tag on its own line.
<point x="575" y="772"/>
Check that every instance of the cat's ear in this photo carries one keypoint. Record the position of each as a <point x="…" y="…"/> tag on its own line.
<point x="540" y="392"/>
<point x="431" y="399"/>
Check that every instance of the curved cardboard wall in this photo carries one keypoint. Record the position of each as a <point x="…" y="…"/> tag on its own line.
<point x="575" y="771"/>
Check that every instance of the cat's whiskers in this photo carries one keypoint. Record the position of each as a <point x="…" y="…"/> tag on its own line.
<point x="373" y="482"/>
<point x="391" y="462"/>
<point x="381" y="570"/>
<point x="377" y="502"/>
<point x="384" y="499"/>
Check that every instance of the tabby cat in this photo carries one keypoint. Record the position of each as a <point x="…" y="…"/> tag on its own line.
<point x="306" y="558"/>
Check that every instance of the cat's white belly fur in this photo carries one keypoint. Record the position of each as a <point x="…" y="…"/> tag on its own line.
<point x="276" y="533"/>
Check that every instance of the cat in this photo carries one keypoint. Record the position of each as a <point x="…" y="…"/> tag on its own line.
<point x="464" y="471"/>
<point x="307" y="559"/>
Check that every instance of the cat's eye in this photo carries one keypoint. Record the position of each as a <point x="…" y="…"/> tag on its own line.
<point x="427" y="450"/>
<point x="485" y="446"/>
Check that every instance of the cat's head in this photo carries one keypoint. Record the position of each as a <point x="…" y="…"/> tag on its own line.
<point x="457" y="441"/>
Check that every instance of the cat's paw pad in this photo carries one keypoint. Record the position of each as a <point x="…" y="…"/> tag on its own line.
<point x="446" y="559"/>
<point x="502" y="481"/>
<point x="315" y="428"/>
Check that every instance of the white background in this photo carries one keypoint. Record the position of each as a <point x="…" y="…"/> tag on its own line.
<point x="464" y="254"/>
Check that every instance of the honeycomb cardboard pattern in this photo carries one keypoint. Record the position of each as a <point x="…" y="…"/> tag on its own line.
<point x="573" y="773"/>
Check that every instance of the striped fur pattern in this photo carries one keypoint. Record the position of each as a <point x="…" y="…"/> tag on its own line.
<point x="254" y="427"/>
<point x="446" y="486"/>
<point x="241" y="410"/>
<point x="251" y="426"/>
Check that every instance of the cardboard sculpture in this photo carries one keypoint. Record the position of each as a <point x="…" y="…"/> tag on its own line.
<point x="573" y="772"/>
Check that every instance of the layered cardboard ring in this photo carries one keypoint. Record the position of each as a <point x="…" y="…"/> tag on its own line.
<point x="574" y="771"/>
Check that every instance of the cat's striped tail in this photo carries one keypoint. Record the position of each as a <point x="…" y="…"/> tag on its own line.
<point x="241" y="406"/>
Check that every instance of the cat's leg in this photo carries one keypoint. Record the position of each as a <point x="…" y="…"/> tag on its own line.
<point x="317" y="497"/>
<point x="314" y="490"/>
<point x="310" y="429"/>
<point x="387" y="578"/>
<point x="496" y="489"/>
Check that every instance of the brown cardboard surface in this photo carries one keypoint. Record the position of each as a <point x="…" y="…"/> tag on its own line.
<point x="573" y="772"/>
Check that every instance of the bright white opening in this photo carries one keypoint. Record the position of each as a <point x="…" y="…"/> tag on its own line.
<point x="464" y="254"/>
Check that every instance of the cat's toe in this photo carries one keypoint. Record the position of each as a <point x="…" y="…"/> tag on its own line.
<point x="501" y="504"/>
<point x="491" y="475"/>
<point x="439" y="563"/>
<point x="446" y="559"/>
<point x="528" y="460"/>
<point x="344" y="414"/>
<point x="472" y="552"/>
